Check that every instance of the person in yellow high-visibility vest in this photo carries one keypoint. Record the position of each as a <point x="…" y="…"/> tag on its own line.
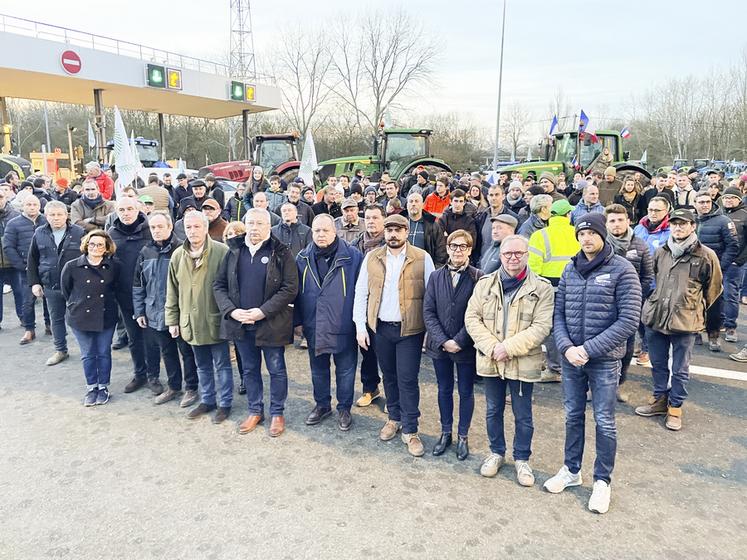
<point x="550" y="250"/>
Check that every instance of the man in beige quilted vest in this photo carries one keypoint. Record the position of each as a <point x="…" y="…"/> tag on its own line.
<point x="389" y="300"/>
<point x="508" y="316"/>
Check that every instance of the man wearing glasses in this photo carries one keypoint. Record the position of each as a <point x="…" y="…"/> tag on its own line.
<point x="717" y="232"/>
<point x="597" y="308"/>
<point x="508" y="316"/>
<point x="389" y="301"/>
<point x="688" y="283"/>
<point x="654" y="230"/>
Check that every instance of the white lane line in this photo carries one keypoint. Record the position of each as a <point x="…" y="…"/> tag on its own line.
<point x="722" y="373"/>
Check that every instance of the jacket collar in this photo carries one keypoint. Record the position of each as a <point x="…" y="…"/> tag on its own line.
<point x="529" y="284"/>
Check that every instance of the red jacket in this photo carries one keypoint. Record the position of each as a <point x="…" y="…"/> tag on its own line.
<point x="106" y="185"/>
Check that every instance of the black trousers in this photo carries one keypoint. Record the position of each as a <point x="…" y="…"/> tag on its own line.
<point x="369" y="365"/>
<point x="170" y="349"/>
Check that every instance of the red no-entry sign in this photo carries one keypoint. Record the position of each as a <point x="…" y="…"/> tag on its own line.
<point x="71" y="62"/>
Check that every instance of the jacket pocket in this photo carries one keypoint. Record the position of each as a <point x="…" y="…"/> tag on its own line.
<point x="185" y="327"/>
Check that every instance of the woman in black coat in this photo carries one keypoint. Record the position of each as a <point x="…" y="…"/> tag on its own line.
<point x="89" y="285"/>
<point x="445" y="303"/>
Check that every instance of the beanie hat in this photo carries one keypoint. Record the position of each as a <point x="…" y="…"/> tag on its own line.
<point x="369" y="189"/>
<point x="732" y="191"/>
<point x="356" y="188"/>
<point x="62" y="182"/>
<point x="424" y="174"/>
<point x="515" y="184"/>
<point x="611" y="171"/>
<point x="535" y="190"/>
<point x="550" y="177"/>
<point x="593" y="221"/>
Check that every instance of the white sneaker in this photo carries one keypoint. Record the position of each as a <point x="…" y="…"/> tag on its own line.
<point x="524" y="474"/>
<point x="600" y="497"/>
<point x="491" y="465"/>
<point x="562" y="480"/>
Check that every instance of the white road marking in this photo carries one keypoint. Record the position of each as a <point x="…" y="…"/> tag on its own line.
<point x="722" y="373"/>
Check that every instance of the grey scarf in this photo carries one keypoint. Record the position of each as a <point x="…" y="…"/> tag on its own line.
<point x="679" y="248"/>
<point x="621" y="244"/>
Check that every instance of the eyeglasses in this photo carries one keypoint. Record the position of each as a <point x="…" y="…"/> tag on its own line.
<point x="96" y="244"/>
<point x="458" y="247"/>
<point x="516" y="255"/>
<point x="209" y="208"/>
<point x="657" y="210"/>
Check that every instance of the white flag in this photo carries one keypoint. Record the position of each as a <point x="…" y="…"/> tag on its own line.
<point x="123" y="160"/>
<point x="644" y="157"/>
<point x="308" y="160"/>
<point x="91" y="137"/>
<point x="135" y="154"/>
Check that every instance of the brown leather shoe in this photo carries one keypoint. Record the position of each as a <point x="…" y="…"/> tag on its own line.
<point x="389" y="430"/>
<point x="277" y="426"/>
<point x="251" y="423"/>
<point x="28" y="338"/>
<point x="674" y="418"/>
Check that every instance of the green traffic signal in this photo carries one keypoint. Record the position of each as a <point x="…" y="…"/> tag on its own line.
<point x="237" y="91"/>
<point x="156" y="76"/>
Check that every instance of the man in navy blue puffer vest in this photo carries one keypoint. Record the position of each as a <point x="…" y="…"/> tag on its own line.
<point x="597" y="308"/>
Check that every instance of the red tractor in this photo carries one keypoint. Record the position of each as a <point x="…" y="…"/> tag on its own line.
<point x="276" y="154"/>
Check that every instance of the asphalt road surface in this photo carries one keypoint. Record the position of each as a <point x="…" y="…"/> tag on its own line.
<point x="134" y="480"/>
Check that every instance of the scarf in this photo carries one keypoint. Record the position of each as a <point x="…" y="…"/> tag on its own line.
<point x="664" y="224"/>
<point x="93" y="203"/>
<point x="456" y="272"/>
<point x="129" y="229"/>
<point x="324" y="258"/>
<point x="371" y="243"/>
<point x="621" y="244"/>
<point x="196" y="256"/>
<point x="251" y="246"/>
<point x="586" y="266"/>
<point x="679" y="248"/>
<point x="511" y="283"/>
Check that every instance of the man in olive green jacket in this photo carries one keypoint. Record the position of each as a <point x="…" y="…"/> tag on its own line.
<point x="193" y="314"/>
<point x="508" y="316"/>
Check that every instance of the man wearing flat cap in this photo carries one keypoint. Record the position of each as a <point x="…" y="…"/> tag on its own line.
<point x="503" y="225"/>
<point x="389" y="301"/>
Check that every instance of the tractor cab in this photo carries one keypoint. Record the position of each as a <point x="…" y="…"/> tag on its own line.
<point x="397" y="148"/>
<point x="585" y="149"/>
<point x="270" y="151"/>
<point x="148" y="152"/>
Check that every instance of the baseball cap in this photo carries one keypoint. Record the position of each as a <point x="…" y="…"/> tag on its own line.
<point x="682" y="214"/>
<point x="506" y="219"/>
<point x="146" y="199"/>
<point x="349" y="203"/>
<point x="561" y="207"/>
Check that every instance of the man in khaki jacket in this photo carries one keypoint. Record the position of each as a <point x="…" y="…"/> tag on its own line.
<point x="91" y="210"/>
<point x="193" y="314"/>
<point x="389" y="301"/>
<point x="508" y="316"/>
<point x="688" y="281"/>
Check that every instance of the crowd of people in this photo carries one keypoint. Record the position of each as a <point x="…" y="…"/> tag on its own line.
<point x="513" y="282"/>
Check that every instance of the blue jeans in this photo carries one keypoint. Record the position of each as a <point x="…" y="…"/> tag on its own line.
<point x="212" y="359"/>
<point x="57" y="307"/>
<point x="602" y="378"/>
<point x="16" y="280"/>
<point x="399" y="360"/>
<point x="96" y="355"/>
<point x="251" y="361"/>
<point x="732" y="287"/>
<point x="682" y="348"/>
<point x="346" y="363"/>
<point x="444" y="368"/>
<point x="521" y="405"/>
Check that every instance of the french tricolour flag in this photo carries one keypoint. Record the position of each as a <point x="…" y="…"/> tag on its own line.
<point x="625" y="132"/>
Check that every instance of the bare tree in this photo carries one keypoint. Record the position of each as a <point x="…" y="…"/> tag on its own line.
<point x="514" y="128"/>
<point x="303" y="67"/>
<point x="385" y="55"/>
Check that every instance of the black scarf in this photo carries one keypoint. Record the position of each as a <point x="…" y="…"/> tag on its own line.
<point x="324" y="257"/>
<point x="586" y="266"/>
<point x="511" y="283"/>
<point x="129" y="229"/>
<point x="93" y="203"/>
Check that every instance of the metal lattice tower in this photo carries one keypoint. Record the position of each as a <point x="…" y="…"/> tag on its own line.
<point x="241" y="64"/>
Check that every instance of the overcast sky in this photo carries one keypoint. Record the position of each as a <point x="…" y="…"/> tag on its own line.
<point x="599" y="52"/>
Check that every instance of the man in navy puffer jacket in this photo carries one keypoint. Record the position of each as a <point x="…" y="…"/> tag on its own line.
<point x="597" y="308"/>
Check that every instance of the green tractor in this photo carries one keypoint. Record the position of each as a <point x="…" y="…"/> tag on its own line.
<point x="396" y="150"/>
<point x="566" y="152"/>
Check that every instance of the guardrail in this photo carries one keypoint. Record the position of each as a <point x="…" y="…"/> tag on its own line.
<point x="39" y="30"/>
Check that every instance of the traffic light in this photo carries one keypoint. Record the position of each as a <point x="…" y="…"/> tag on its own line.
<point x="174" y="78"/>
<point x="237" y="91"/>
<point x="250" y="91"/>
<point x="155" y="76"/>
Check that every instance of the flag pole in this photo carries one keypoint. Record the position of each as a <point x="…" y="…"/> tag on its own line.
<point x="500" y="84"/>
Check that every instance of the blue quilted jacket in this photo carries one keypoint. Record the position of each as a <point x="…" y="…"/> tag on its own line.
<point x="600" y="311"/>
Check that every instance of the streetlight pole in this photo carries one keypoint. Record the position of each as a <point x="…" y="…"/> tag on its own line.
<point x="500" y="84"/>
